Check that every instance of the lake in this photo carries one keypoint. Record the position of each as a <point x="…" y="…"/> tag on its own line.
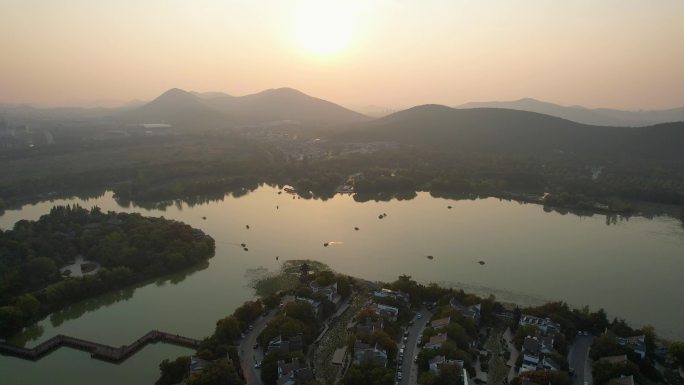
<point x="631" y="267"/>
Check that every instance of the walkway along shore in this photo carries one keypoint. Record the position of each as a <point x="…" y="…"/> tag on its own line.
<point x="96" y="350"/>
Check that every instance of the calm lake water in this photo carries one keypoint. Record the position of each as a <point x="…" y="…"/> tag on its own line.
<point x="633" y="268"/>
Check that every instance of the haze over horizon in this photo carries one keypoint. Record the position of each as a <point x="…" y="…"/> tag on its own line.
<point x="614" y="54"/>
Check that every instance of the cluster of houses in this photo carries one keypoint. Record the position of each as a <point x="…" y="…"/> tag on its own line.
<point x="385" y="313"/>
<point x="437" y="341"/>
<point x="536" y="347"/>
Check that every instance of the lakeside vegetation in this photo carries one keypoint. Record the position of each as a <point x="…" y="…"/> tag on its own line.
<point x="128" y="248"/>
<point x="197" y="166"/>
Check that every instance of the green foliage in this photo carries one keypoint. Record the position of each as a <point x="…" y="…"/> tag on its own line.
<point x="219" y="372"/>
<point x="227" y="330"/>
<point x="173" y="372"/>
<point x="546" y="377"/>
<point x="368" y="373"/>
<point x="344" y="287"/>
<point x="605" y="371"/>
<point x="677" y="351"/>
<point x="385" y="342"/>
<point x="606" y="345"/>
<point x="248" y="312"/>
<point x="325" y="278"/>
<point x="301" y="311"/>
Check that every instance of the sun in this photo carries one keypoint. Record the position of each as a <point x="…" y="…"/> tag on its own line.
<point x="324" y="27"/>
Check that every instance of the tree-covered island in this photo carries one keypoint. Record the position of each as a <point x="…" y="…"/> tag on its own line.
<point x="72" y="254"/>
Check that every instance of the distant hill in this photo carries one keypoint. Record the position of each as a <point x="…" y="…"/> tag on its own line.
<point x="222" y="110"/>
<point x="514" y="131"/>
<point x="177" y="107"/>
<point x="599" y="116"/>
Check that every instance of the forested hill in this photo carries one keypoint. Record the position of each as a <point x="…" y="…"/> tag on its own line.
<point x="129" y="248"/>
<point x="216" y="110"/>
<point x="513" y="131"/>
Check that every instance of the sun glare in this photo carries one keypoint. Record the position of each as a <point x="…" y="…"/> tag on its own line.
<point x="324" y="27"/>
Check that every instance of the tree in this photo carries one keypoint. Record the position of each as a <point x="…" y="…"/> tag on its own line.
<point x="173" y="372"/>
<point x="301" y="311"/>
<point x="227" y="330"/>
<point x="219" y="372"/>
<point x="546" y="377"/>
<point x="604" y="371"/>
<point x="248" y="312"/>
<point x="677" y="351"/>
<point x="449" y="375"/>
<point x="385" y="342"/>
<point x="29" y="305"/>
<point x="368" y="373"/>
<point x="325" y="278"/>
<point x="41" y="270"/>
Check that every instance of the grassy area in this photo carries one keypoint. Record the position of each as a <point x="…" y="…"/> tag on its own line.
<point x="336" y="337"/>
<point x="497" y="364"/>
<point x="285" y="279"/>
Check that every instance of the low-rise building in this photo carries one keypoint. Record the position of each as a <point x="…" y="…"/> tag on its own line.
<point x="472" y="311"/>
<point x="436" y="342"/>
<point x="197" y="364"/>
<point x="364" y="352"/>
<point x="386" y="311"/>
<point x="369" y="326"/>
<point x="435" y="363"/>
<point x="387" y="293"/>
<point x="637" y="344"/>
<point x="315" y="305"/>
<point x="329" y="291"/>
<point x="545" y="325"/>
<point x="440" y="323"/>
<point x="292" y="372"/>
<point x="621" y="359"/>
<point x="286" y="344"/>
<point x="531" y="355"/>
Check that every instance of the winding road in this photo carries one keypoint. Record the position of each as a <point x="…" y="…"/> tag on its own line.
<point x="248" y="355"/>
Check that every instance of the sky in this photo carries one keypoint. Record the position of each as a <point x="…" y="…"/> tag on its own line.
<point x="626" y="54"/>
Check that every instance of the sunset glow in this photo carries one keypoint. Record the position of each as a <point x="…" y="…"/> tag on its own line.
<point x="324" y="28"/>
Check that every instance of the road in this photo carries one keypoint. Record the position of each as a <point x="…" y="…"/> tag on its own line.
<point x="249" y="355"/>
<point x="578" y="358"/>
<point x="409" y="370"/>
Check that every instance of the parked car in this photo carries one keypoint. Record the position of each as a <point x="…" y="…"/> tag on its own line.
<point x="257" y="365"/>
<point x="256" y="346"/>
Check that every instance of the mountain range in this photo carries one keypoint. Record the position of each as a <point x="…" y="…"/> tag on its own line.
<point x="215" y="109"/>
<point x="513" y="131"/>
<point x="597" y="116"/>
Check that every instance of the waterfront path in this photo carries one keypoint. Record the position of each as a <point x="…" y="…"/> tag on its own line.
<point x="97" y="350"/>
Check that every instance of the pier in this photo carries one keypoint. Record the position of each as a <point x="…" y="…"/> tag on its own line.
<point x="97" y="350"/>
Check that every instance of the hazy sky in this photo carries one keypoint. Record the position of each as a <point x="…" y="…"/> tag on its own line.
<point x="598" y="53"/>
